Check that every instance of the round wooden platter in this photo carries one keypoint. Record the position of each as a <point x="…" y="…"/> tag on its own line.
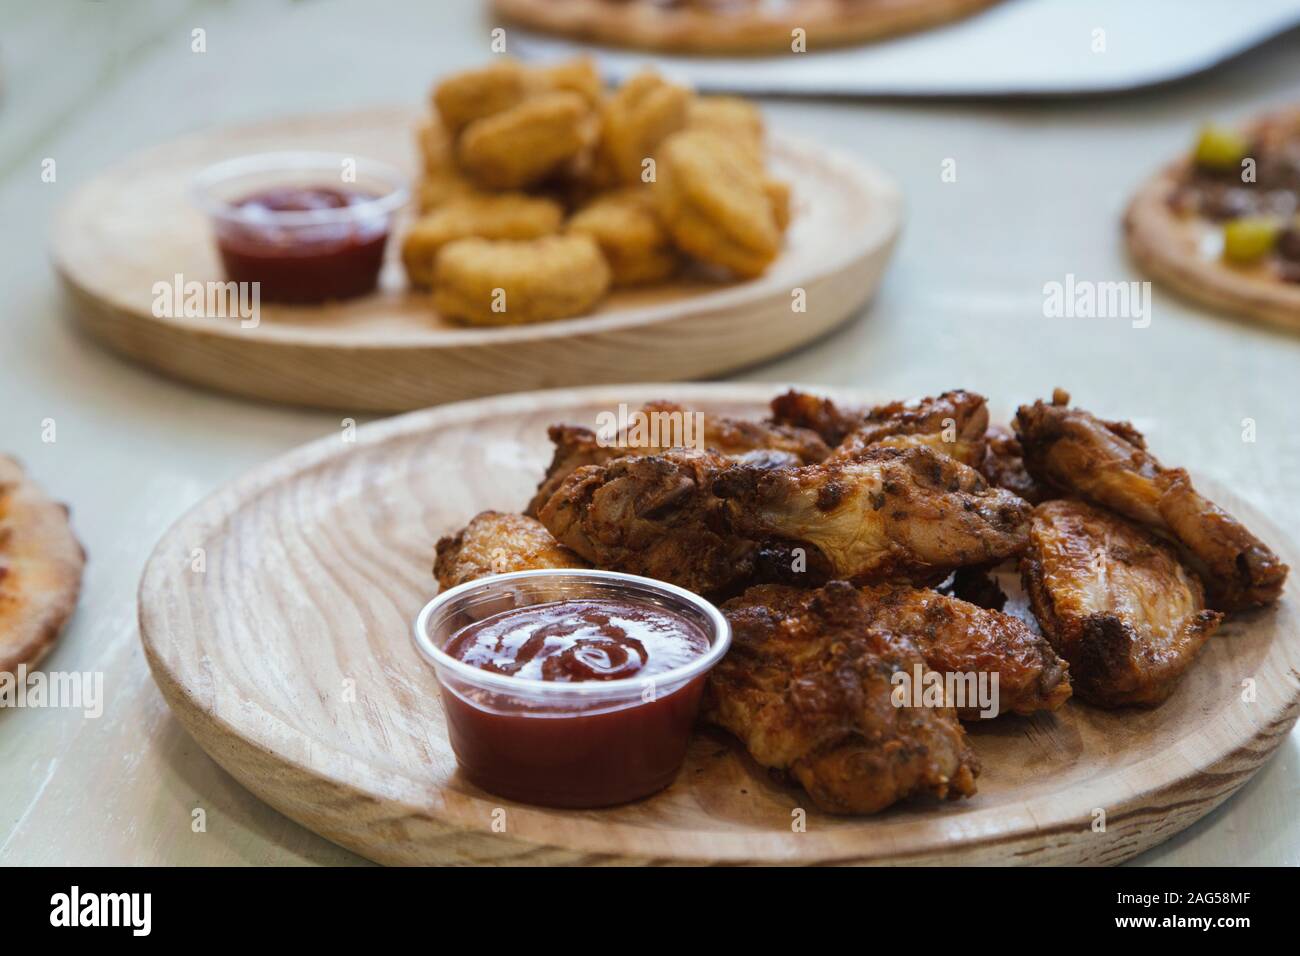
<point x="134" y="226"/>
<point x="276" y="619"/>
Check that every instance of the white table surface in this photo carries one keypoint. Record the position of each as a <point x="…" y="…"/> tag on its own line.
<point x="1039" y="194"/>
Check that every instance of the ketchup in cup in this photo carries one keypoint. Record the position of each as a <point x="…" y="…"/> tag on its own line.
<point x="307" y="227"/>
<point x="570" y="688"/>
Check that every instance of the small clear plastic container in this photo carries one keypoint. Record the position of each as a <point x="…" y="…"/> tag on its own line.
<point x="308" y="227"/>
<point x="567" y="744"/>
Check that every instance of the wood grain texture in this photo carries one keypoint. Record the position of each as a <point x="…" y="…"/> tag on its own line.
<point x="289" y="660"/>
<point x="134" y="226"/>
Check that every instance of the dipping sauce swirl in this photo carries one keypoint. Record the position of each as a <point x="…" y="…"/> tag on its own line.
<point x="570" y="688"/>
<point x="580" y="640"/>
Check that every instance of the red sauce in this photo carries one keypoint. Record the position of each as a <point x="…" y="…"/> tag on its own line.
<point x="566" y="754"/>
<point x="301" y="264"/>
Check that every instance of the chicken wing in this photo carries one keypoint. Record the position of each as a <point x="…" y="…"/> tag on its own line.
<point x="1115" y="602"/>
<point x="952" y="424"/>
<point x="576" y="446"/>
<point x="956" y="637"/>
<point x="652" y="515"/>
<point x="1108" y="463"/>
<point x="1004" y="465"/>
<point x="496" y="543"/>
<point x="891" y="513"/>
<point x="808" y="689"/>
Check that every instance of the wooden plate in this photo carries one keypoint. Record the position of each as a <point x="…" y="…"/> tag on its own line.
<point x="288" y="658"/>
<point x="134" y="226"/>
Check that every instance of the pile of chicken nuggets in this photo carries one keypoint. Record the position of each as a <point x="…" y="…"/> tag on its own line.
<point x="541" y="190"/>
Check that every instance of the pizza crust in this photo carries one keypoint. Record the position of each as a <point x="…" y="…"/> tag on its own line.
<point x="41" y="563"/>
<point x="1177" y="250"/>
<point x="644" y="25"/>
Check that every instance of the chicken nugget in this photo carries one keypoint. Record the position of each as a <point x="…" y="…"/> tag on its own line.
<point x="630" y="235"/>
<point x="475" y="94"/>
<point x="525" y="144"/>
<point x="778" y="191"/>
<point x="726" y="114"/>
<point x="500" y="216"/>
<point x="713" y="196"/>
<point x="512" y="282"/>
<point x="441" y="179"/>
<point x="637" y="118"/>
<point x="578" y="75"/>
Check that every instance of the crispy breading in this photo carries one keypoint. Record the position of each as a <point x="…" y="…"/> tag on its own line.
<point x="636" y="119"/>
<point x="495" y="542"/>
<point x="578" y="75"/>
<point x="471" y="95"/>
<point x="485" y="216"/>
<point x="1114" y="601"/>
<point x="727" y="114"/>
<point x="634" y="241"/>
<point x="523" y="145"/>
<point x="809" y="691"/>
<point x="712" y="194"/>
<point x="512" y="282"/>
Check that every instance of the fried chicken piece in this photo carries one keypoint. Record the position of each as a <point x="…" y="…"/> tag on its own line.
<point x="636" y="119"/>
<point x="952" y="424"/>
<point x="651" y="515"/>
<point x="512" y="282"/>
<point x="712" y="193"/>
<point x="472" y="95"/>
<point x="485" y="216"/>
<point x="890" y="513"/>
<point x="807" y="688"/>
<point x="730" y="115"/>
<point x="633" y="240"/>
<point x="576" y="446"/>
<point x="956" y="637"/>
<point x="497" y="543"/>
<point x="1108" y="463"/>
<point x="1004" y="465"/>
<point x="1115" y="602"/>
<point x="524" y="145"/>
<point x="804" y="410"/>
<point x="578" y="75"/>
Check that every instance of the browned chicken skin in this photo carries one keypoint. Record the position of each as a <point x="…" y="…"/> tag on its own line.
<point x="652" y="515"/>
<point x="890" y="513"/>
<point x="496" y="543"/>
<point x="952" y="423"/>
<point x="807" y="688"/>
<point x="1108" y="463"/>
<point x="957" y="637"/>
<point x="1115" y="602"/>
<point x="576" y="446"/>
<point x="1004" y="465"/>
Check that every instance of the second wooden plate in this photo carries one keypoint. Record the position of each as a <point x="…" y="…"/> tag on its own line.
<point x="135" y="226"/>
<point x="276" y="619"/>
